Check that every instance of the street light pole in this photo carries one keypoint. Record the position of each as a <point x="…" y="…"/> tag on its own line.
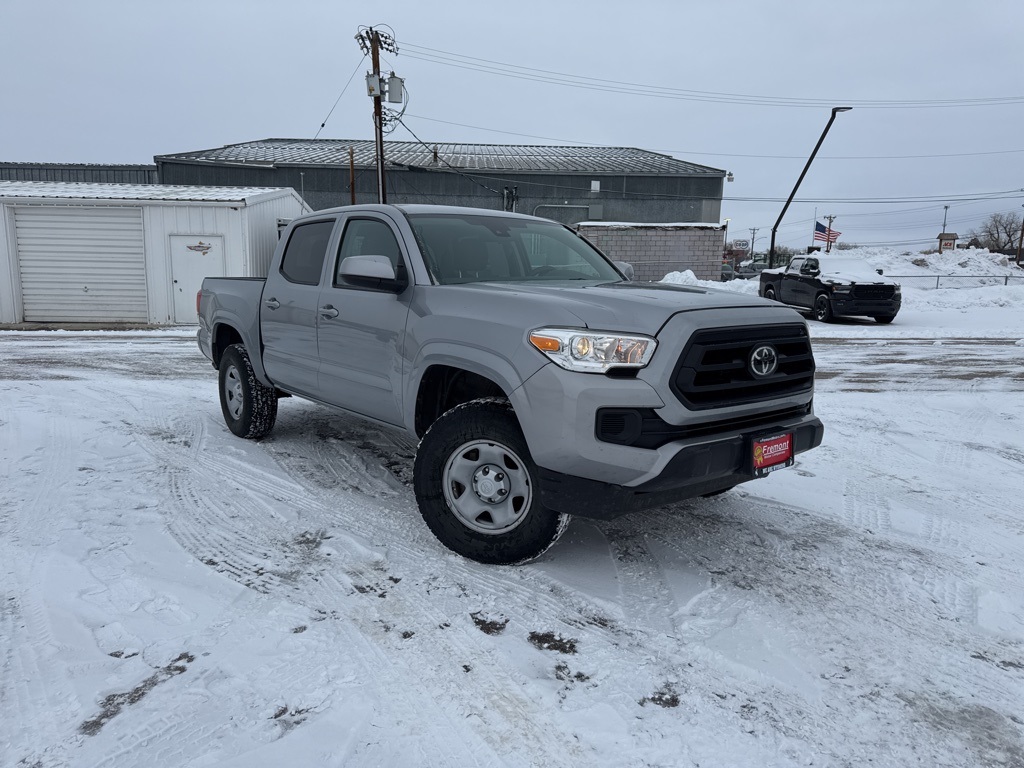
<point x="835" y="111"/>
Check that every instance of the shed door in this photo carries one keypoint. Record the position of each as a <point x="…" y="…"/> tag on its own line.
<point x="82" y="264"/>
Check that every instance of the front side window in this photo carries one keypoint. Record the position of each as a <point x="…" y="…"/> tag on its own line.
<point x="304" y="256"/>
<point x="795" y="264"/>
<point x="368" y="237"/>
<point x="464" y="248"/>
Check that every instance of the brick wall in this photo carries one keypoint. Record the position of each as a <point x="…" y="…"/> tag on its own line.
<point x="654" y="250"/>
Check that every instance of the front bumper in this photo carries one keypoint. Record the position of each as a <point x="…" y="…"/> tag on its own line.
<point x="584" y="472"/>
<point x="696" y="469"/>
<point x="843" y="307"/>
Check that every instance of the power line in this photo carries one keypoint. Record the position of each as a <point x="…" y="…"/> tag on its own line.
<point x="718" y="154"/>
<point x="347" y="84"/>
<point x="515" y="71"/>
<point x="452" y="167"/>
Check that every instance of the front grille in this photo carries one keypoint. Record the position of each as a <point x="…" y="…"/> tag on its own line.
<point x="873" y="291"/>
<point x="713" y="370"/>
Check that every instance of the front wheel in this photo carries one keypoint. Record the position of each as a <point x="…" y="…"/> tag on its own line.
<point x="823" y="309"/>
<point x="249" y="407"/>
<point x="476" y="486"/>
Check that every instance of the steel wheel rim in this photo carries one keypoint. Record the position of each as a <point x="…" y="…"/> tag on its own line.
<point x="487" y="487"/>
<point x="234" y="399"/>
<point x="769" y="294"/>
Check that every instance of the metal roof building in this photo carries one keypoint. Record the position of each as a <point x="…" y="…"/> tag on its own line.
<point x="82" y="172"/>
<point x="569" y="184"/>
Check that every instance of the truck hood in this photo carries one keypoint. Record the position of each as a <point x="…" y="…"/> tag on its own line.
<point x="626" y="307"/>
<point x="861" y="278"/>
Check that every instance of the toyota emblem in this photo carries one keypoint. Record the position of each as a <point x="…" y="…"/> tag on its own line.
<point x="764" y="361"/>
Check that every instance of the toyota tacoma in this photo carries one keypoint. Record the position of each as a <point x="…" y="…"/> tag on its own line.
<point x="540" y="381"/>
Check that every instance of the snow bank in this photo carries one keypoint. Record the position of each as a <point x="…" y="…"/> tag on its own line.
<point x="984" y="312"/>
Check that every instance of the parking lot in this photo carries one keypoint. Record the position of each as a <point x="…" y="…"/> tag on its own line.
<point x="176" y="596"/>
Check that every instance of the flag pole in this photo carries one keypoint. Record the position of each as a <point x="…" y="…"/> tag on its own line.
<point x="813" y="225"/>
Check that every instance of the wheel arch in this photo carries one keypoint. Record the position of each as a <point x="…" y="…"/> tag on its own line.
<point x="224" y="334"/>
<point x="443" y="386"/>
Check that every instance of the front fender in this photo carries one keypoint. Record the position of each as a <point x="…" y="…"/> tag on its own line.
<point x="508" y="372"/>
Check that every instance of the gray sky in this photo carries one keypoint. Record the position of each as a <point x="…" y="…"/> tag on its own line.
<point x="120" y="81"/>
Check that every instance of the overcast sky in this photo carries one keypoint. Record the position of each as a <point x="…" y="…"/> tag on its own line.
<point x="744" y="86"/>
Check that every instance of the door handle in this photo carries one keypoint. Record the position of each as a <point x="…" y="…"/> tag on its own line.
<point x="328" y="311"/>
<point x="272" y="303"/>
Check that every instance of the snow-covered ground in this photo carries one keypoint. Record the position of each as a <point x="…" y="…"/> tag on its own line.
<point x="174" y="596"/>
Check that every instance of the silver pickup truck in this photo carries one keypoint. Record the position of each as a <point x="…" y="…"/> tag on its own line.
<point x="540" y="380"/>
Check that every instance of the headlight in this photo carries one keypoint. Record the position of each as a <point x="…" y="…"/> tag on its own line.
<point x="593" y="352"/>
<point x="898" y="291"/>
<point x="842" y="289"/>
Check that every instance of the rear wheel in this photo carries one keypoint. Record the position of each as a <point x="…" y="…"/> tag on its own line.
<point x="476" y="486"/>
<point x="769" y="293"/>
<point x="249" y="407"/>
<point x="885" y="319"/>
<point x="823" y="309"/>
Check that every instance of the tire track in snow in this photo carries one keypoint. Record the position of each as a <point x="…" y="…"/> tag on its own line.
<point x="204" y="510"/>
<point x="34" y="679"/>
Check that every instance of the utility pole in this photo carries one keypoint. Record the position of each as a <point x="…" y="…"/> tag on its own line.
<point x="378" y="117"/>
<point x="828" y="235"/>
<point x="942" y="234"/>
<point x="1020" y="243"/>
<point x="753" y="238"/>
<point x="352" y="173"/>
<point x="371" y="42"/>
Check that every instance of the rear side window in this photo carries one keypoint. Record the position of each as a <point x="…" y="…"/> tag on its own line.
<point x="305" y="253"/>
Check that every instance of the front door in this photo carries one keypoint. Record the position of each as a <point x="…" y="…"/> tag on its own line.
<point x="193" y="257"/>
<point x="362" y="331"/>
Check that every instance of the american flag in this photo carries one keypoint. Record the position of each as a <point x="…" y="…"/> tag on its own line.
<point x="823" y="233"/>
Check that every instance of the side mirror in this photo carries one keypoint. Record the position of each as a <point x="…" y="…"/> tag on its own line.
<point x="371" y="272"/>
<point x="879" y="271"/>
<point x="625" y="268"/>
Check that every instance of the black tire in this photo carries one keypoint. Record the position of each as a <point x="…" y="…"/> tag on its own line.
<point x="769" y="293"/>
<point x="884" y="319"/>
<point x="822" y="309"/>
<point x="476" y="486"/>
<point x="249" y="407"/>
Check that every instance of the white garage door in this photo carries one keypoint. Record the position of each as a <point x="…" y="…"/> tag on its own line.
<point x="81" y="264"/>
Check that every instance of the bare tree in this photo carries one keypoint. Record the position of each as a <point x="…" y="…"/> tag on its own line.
<point x="999" y="232"/>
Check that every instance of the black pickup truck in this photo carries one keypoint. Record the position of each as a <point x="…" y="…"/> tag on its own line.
<point x="833" y="286"/>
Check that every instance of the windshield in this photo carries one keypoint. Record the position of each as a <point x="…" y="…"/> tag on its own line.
<point x="468" y="248"/>
<point x="854" y="266"/>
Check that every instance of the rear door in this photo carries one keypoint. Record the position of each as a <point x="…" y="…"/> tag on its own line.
<point x="362" y="330"/>
<point x="288" y="313"/>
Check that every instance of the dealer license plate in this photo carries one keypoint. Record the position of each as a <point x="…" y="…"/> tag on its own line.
<point x="772" y="453"/>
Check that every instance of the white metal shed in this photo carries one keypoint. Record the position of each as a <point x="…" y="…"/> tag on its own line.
<point x="96" y="253"/>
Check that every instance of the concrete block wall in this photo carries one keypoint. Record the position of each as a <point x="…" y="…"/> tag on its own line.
<point x="654" y="250"/>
